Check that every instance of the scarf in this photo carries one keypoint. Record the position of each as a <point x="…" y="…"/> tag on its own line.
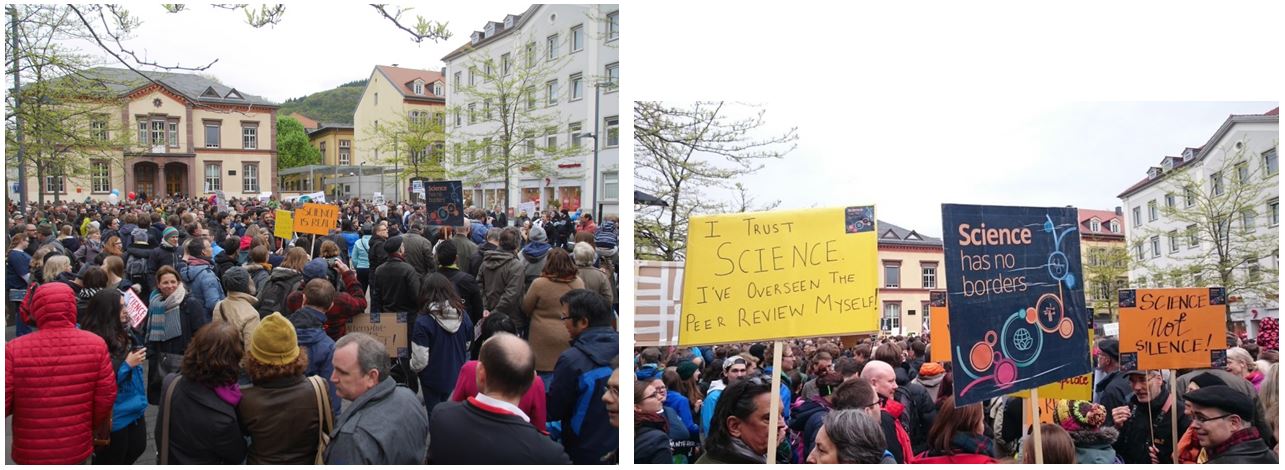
<point x="230" y="393"/>
<point x="738" y="452"/>
<point x="163" y="315"/>
<point x="1243" y="435"/>
<point x="651" y="420"/>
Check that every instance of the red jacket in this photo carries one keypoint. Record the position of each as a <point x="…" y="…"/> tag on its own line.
<point x="58" y="383"/>
<point x="347" y="304"/>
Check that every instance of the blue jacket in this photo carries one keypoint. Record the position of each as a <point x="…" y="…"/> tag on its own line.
<point x="445" y="341"/>
<point x="361" y="253"/>
<point x="477" y="233"/>
<point x="203" y="285"/>
<point x="683" y="407"/>
<point x="595" y="347"/>
<point x="17" y="265"/>
<point x="309" y="327"/>
<point x="351" y="239"/>
<point x="131" y="396"/>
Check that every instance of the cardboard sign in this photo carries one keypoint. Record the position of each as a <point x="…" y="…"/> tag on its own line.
<point x="134" y="305"/>
<point x="221" y="200"/>
<point x="389" y="327"/>
<point x="444" y="201"/>
<point x="1017" y="318"/>
<point x="938" y="321"/>
<point x="1172" y="328"/>
<point x="658" y="304"/>
<point x="316" y="219"/>
<point x="283" y="226"/>
<point x="529" y="207"/>
<point x="1111" y="329"/>
<point x="377" y="198"/>
<point x="785" y="274"/>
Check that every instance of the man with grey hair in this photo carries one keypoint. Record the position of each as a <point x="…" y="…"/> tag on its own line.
<point x="850" y="437"/>
<point x="385" y="424"/>
<point x="1145" y="421"/>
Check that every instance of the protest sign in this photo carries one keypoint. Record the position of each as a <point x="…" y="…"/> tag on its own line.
<point x="658" y="302"/>
<point x="265" y="196"/>
<point x="221" y="201"/>
<point x="1017" y="318"/>
<point x="938" y="321"/>
<point x="284" y="224"/>
<point x="783" y="274"/>
<point x="388" y="327"/>
<point x="1079" y="387"/>
<point x="444" y="201"/>
<point x="1172" y="328"/>
<point x="528" y="207"/>
<point x="137" y="310"/>
<point x="1111" y="329"/>
<point x="377" y="198"/>
<point x="316" y="219"/>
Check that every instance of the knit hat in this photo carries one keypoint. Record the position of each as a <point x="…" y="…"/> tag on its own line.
<point x="393" y="244"/>
<point x="274" y="342"/>
<point x="686" y="369"/>
<point x="1207" y="379"/>
<point x="169" y="232"/>
<point x="1224" y="398"/>
<point x="538" y="235"/>
<point x="140" y="235"/>
<point x="245" y="242"/>
<point x="606" y="236"/>
<point x="1076" y="415"/>
<point x="1269" y="334"/>
<point x="931" y="369"/>
<point x="317" y="268"/>
<point x="236" y="279"/>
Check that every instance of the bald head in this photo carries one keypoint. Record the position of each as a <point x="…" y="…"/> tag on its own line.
<point x="506" y="367"/>
<point x="881" y="377"/>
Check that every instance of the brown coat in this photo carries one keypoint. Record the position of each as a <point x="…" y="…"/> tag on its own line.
<point x="280" y="416"/>
<point x="595" y="280"/>
<point x="238" y="309"/>
<point x="548" y="334"/>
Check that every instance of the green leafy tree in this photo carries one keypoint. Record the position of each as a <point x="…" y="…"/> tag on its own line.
<point x="293" y="148"/>
<point x="1106" y="271"/>
<point x="413" y="143"/>
<point x="681" y="150"/>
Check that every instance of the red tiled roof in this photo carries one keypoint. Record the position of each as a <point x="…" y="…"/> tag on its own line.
<point x="308" y="123"/>
<point x="1275" y="111"/>
<point x="1103" y="217"/>
<point x="402" y="77"/>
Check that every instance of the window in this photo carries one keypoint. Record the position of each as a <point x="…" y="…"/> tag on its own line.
<point x="1273" y="212"/>
<point x="343" y="144"/>
<point x="437" y="88"/>
<point x="98" y="128"/>
<point x="551" y="46"/>
<point x="344" y="157"/>
<point x="459" y="119"/>
<point x="529" y="138"/>
<point x="891" y="316"/>
<point x="54" y="183"/>
<point x="489" y="69"/>
<point x="892" y="275"/>
<point x="1169" y="200"/>
<point x="213" y="174"/>
<point x="1269" y="162"/>
<point x="1193" y="236"/>
<point x="322" y="146"/>
<point x="100" y="176"/>
<point x="573" y="130"/>
<point x="1216" y="182"/>
<point x="1115" y="226"/>
<point x="1247" y="220"/>
<point x="530" y="54"/>
<point x="929" y="276"/>
<point x="1155" y="246"/>
<point x="455" y="84"/>
<point x="1137" y="216"/>
<point x="158" y="132"/>
<point x="486" y="109"/>
<point x="377" y="93"/>
<point x="613" y="25"/>
<point x="577" y="38"/>
<point x="1152" y="212"/>
<point x="1190" y="195"/>
<point x="1142" y="282"/>
<point x="577" y="87"/>
<point x="142" y="131"/>
<point x="418" y="88"/>
<point x="1094" y="225"/>
<point x="212" y="135"/>
<point x="530" y="98"/>
<point x="613" y="76"/>
<point x="1255" y="271"/>
<point x="1242" y="172"/>
<point x="551" y="93"/>
<point x="472" y="113"/>
<point x="613" y="132"/>
<point x="551" y="139"/>
<point x="458" y="150"/>
<point x="506" y="64"/>
<point x="1138" y="248"/>
<point x="610" y="186"/>
<point x="250" y="178"/>
<point x="1173" y="241"/>
<point x="250" y="136"/>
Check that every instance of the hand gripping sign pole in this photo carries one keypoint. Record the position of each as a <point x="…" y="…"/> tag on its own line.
<point x="776" y="404"/>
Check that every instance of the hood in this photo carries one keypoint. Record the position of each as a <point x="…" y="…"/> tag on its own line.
<point x="244" y="297"/>
<point x="192" y="270"/>
<point x="251" y="267"/>
<point x="487" y="247"/>
<point x="307" y="318"/>
<point x="600" y="343"/>
<point x="139" y="251"/>
<point x="799" y="418"/>
<point x="494" y="259"/>
<point x="716" y="385"/>
<point x="54" y="305"/>
<point x="902" y="377"/>
<point x="284" y="274"/>
<point x="536" y="250"/>
<point x="447" y="316"/>
<point x="930" y="382"/>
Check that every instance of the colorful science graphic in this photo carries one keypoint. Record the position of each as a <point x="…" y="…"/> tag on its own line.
<point x="1016" y="296"/>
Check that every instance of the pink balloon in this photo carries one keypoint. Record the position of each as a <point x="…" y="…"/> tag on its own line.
<point x="132" y="195"/>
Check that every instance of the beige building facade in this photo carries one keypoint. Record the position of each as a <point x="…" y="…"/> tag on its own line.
<point x="393" y="95"/>
<point x="911" y="266"/>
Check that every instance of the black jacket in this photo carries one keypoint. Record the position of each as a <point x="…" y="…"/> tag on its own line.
<point x="1113" y="391"/>
<point x="397" y="285"/>
<point x="165" y="256"/>
<point x="920" y="410"/>
<point x="1135" y="435"/>
<point x="203" y="428"/>
<point x="475" y="261"/>
<point x="377" y="254"/>
<point x="466" y="287"/>
<point x="463" y="433"/>
<point x="1255" y="451"/>
<point x="651" y="445"/>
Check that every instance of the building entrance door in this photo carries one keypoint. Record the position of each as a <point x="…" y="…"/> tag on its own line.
<point x="175" y="178"/>
<point x="145" y="178"/>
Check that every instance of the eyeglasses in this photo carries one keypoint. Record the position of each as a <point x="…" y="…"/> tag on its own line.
<point x="613" y="390"/>
<point x="1201" y="419"/>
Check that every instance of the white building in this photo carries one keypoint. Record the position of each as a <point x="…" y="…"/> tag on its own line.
<point x="584" y="39"/>
<point x="1160" y="244"/>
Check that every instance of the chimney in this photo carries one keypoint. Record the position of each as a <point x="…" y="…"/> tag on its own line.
<point x="443" y="71"/>
<point x="394" y="65"/>
<point x="1119" y="210"/>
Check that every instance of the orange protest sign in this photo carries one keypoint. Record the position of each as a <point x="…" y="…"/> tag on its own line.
<point x="316" y="219"/>
<point x="938" y="318"/>
<point x="1172" y="328"/>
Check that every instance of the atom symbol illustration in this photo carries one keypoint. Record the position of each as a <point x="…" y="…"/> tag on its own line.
<point x="1022" y="339"/>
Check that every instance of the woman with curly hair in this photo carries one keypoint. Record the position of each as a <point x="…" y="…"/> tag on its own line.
<point x="281" y="413"/>
<point x="541" y="305"/>
<point x="197" y="421"/>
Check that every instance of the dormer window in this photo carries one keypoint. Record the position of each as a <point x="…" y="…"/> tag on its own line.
<point x="234" y="95"/>
<point x="437" y="88"/>
<point x="210" y="93"/>
<point x="418" y="87"/>
<point x="510" y="20"/>
<point x="1153" y="172"/>
<point x="1095" y="225"/>
<point x="490" y="29"/>
<point x="1114" y="226"/>
<point x="475" y="37"/>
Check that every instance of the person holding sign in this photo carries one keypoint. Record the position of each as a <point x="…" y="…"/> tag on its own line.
<point x="1222" y="418"/>
<point x="106" y="317"/>
<point x="1145" y="424"/>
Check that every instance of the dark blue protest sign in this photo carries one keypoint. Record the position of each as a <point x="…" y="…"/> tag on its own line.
<point x="1016" y="296"/>
<point x="444" y="201"/>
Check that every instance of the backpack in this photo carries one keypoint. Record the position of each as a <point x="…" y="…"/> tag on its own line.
<point x="136" y="270"/>
<point x="273" y="296"/>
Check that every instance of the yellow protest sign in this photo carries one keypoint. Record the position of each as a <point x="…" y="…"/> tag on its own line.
<point x="1079" y="387"/>
<point x="782" y="274"/>
<point x="316" y="219"/>
<point x="284" y="225"/>
<point x="1173" y="328"/>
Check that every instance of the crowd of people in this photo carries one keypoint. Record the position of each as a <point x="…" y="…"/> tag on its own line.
<point x="882" y="400"/>
<point x="240" y="339"/>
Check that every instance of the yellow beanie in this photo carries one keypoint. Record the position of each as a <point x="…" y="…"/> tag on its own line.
<point x="274" y="341"/>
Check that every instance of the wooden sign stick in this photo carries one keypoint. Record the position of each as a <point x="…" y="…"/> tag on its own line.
<point x="1035" y="425"/>
<point x="776" y="403"/>
<point x="1173" y="391"/>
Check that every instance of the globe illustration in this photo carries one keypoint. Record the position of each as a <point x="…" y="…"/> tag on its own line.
<point x="1022" y="340"/>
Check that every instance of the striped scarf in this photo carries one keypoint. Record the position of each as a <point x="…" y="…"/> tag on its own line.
<point x="163" y="315"/>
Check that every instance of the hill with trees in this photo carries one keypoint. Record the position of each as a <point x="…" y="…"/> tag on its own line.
<point x="335" y="105"/>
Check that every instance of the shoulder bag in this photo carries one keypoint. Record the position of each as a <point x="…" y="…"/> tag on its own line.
<point x="165" y="422"/>
<point x="324" y="416"/>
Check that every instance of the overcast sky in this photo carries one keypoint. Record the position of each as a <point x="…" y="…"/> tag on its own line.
<point x="908" y="160"/>
<point x="316" y="47"/>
